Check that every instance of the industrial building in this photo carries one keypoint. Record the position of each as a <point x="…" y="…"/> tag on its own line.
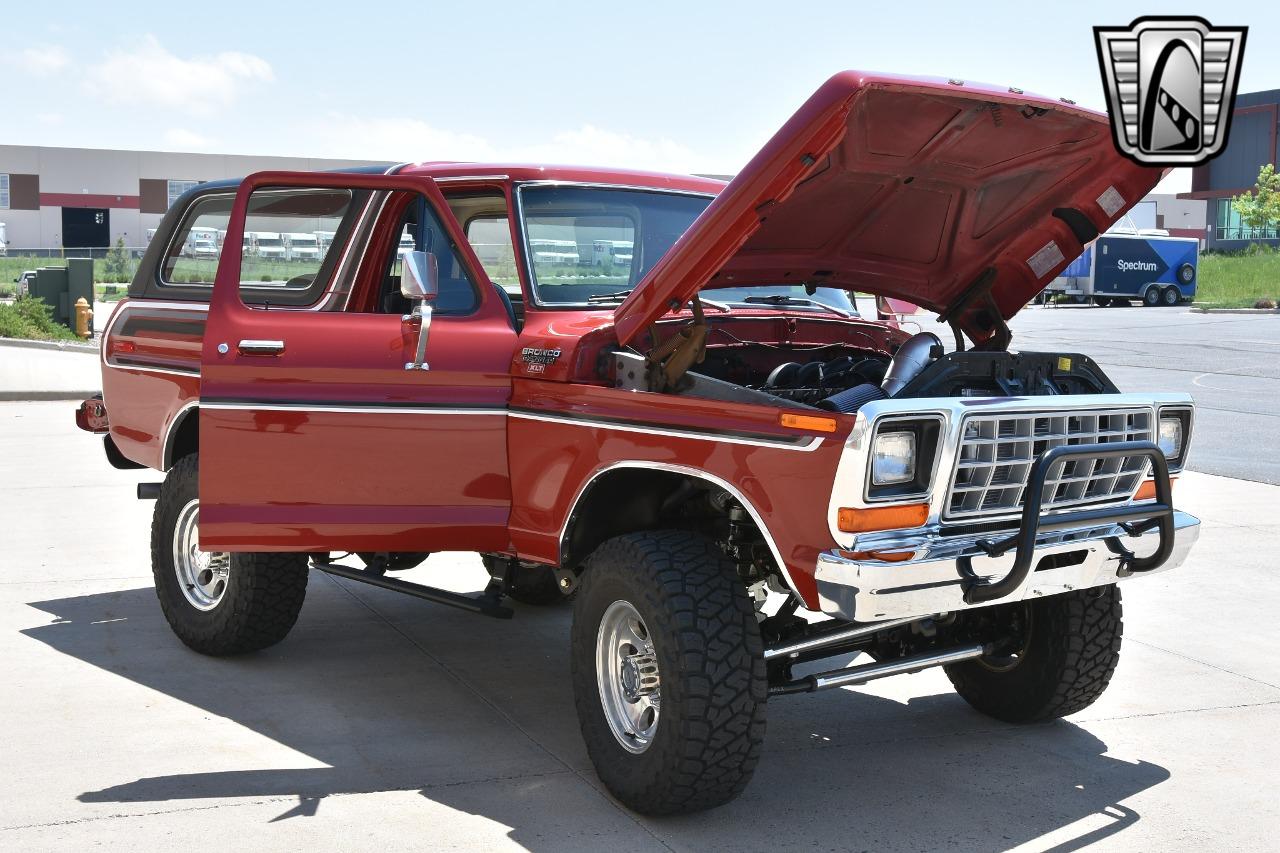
<point x="75" y="198"/>
<point x="1250" y="145"/>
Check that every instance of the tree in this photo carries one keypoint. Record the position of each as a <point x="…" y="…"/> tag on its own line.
<point x="1260" y="209"/>
<point x="116" y="266"/>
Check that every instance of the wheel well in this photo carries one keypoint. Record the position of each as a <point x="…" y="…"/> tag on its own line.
<point x="183" y="437"/>
<point x="629" y="499"/>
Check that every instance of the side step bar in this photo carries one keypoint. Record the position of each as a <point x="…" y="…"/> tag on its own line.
<point x="871" y="671"/>
<point x="485" y="605"/>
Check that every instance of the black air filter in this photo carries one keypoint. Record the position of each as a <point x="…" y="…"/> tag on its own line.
<point x="850" y="400"/>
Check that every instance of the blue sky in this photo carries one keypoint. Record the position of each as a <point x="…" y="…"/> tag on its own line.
<point x="676" y="86"/>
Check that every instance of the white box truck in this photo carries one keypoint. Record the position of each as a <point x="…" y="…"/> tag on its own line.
<point x="301" y="246"/>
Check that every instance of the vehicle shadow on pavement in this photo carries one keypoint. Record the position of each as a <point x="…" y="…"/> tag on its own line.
<point x="381" y="691"/>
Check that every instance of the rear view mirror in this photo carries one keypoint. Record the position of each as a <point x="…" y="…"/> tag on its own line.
<point x="419" y="277"/>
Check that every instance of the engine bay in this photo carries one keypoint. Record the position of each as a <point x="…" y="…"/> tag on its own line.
<point x="841" y="378"/>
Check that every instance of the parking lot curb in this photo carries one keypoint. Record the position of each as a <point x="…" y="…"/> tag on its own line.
<point x="65" y="346"/>
<point x="1236" y="310"/>
<point x="42" y="396"/>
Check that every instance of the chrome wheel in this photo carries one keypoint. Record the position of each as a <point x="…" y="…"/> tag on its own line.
<point x="202" y="575"/>
<point x="627" y="673"/>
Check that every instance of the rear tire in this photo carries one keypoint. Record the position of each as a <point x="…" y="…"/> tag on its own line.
<point x="1071" y="645"/>
<point x="662" y="615"/>
<point x="218" y="604"/>
<point x="1170" y="296"/>
<point x="1151" y="296"/>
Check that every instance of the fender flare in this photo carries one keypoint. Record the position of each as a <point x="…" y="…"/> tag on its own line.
<point x="171" y="431"/>
<point x="687" y="471"/>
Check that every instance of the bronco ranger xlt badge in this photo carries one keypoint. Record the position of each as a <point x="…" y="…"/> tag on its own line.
<point x="724" y="467"/>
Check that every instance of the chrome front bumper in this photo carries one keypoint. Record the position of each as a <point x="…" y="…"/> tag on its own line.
<point x="933" y="580"/>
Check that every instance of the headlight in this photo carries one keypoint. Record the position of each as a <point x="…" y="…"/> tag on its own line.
<point x="904" y="451"/>
<point x="1174" y="435"/>
<point x="893" y="458"/>
<point x="1170" y="437"/>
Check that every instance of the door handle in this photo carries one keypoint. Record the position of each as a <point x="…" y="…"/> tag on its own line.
<point x="261" y="347"/>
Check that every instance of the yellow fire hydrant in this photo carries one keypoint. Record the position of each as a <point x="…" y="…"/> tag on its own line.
<point x="83" y="315"/>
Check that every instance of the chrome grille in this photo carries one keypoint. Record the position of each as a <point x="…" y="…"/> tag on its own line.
<point x="997" y="452"/>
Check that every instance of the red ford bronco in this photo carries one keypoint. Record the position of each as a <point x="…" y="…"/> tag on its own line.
<point x="654" y="394"/>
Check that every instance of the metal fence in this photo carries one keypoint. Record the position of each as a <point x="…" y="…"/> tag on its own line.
<point x="110" y="265"/>
<point x="59" y="253"/>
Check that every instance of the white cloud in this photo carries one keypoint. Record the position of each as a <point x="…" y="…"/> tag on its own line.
<point x="150" y="74"/>
<point x="181" y="139"/>
<point x="50" y="118"/>
<point x="40" y="60"/>
<point x="412" y="140"/>
<point x="404" y="139"/>
<point x="589" y="145"/>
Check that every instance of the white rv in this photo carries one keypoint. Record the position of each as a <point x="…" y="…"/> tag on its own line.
<point x="301" y="246"/>
<point x="4" y="241"/>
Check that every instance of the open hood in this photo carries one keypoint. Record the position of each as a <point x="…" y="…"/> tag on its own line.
<point x="963" y="199"/>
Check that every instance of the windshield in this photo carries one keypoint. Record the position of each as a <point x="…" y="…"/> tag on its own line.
<point x="792" y="296"/>
<point x="596" y="243"/>
<point x="585" y="242"/>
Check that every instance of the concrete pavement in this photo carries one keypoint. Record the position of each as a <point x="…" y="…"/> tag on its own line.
<point x="386" y="721"/>
<point x="33" y="373"/>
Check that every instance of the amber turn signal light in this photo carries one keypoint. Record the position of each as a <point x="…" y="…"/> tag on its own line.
<point x="811" y="422"/>
<point x="1147" y="491"/>
<point x="851" y="520"/>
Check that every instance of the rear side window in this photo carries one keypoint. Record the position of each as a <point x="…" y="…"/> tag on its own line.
<point x="288" y="251"/>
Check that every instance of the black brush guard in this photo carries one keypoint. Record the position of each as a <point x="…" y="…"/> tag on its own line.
<point x="1135" y="519"/>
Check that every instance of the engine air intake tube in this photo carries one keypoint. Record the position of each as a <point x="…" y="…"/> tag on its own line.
<point x="916" y="353"/>
<point x="850" y="400"/>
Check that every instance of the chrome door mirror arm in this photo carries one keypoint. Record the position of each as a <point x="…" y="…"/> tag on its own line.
<point x="422" y="316"/>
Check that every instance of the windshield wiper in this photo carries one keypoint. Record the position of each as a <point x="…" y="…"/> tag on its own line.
<point x="608" y="297"/>
<point x="783" y="299"/>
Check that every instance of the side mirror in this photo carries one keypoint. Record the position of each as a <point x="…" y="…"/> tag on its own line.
<point x="419" y="277"/>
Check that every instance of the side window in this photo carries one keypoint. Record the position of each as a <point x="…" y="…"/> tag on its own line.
<point x="490" y="239"/>
<point x="421" y="230"/>
<point x="287" y="253"/>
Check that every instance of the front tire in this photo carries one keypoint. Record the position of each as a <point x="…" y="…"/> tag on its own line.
<point x="668" y="672"/>
<point x="218" y="603"/>
<point x="1070" y="645"/>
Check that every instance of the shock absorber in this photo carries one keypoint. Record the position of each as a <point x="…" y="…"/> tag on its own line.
<point x="744" y="543"/>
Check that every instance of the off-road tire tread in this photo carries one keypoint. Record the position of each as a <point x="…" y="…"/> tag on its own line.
<point x="1074" y="652"/>
<point x="714" y="684"/>
<point x="263" y="597"/>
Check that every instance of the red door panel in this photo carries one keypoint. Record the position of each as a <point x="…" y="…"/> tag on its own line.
<point x="331" y="444"/>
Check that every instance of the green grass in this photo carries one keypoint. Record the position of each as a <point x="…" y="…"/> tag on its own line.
<point x="12" y="266"/>
<point x="1238" y="281"/>
<point x="32" y="319"/>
